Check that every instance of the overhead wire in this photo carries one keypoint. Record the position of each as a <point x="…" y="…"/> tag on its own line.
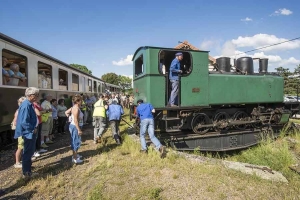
<point x="268" y="46"/>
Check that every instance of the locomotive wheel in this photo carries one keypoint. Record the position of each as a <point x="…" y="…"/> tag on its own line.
<point x="200" y="119"/>
<point x="240" y="116"/>
<point x="222" y="119"/>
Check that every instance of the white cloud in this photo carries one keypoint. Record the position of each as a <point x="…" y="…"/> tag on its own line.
<point x="123" y="62"/>
<point x="207" y="44"/>
<point x="260" y="40"/>
<point x="247" y="19"/>
<point x="228" y="49"/>
<point x="282" y="11"/>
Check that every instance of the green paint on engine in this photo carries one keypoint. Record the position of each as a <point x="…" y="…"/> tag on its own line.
<point x="200" y="88"/>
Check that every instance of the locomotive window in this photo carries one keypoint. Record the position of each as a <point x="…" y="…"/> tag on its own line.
<point x="90" y="85"/>
<point x="75" y="82"/>
<point x="166" y="58"/>
<point x="14" y="69"/>
<point x="63" y="79"/>
<point x="139" y="66"/>
<point x="44" y="76"/>
<point x="95" y="86"/>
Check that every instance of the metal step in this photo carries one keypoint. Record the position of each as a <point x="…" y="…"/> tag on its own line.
<point x="172" y="130"/>
<point x="170" y="118"/>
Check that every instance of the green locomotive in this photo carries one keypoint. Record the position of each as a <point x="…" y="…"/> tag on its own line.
<point x="227" y="108"/>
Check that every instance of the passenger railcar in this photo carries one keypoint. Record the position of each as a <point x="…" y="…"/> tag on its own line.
<point x="48" y="74"/>
<point x="224" y="109"/>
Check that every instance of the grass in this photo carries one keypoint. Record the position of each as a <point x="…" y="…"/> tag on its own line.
<point x="122" y="172"/>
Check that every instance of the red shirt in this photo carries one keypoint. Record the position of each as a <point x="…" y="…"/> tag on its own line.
<point x="37" y="106"/>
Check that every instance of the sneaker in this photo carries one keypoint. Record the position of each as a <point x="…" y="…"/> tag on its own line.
<point x="36" y="154"/>
<point x="42" y="150"/>
<point x="49" y="142"/>
<point x="143" y="151"/>
<point x="162" y="151"/>
<point x="44" y="145"/>
<point x="77" y="161"/>
<point x="79" y="156"/>
<point x="18" y="165"/>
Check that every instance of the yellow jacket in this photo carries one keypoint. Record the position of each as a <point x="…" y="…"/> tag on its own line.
<point x="99" y="109"/>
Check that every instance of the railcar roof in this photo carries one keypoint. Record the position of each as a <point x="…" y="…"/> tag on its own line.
<point x="163" y="48"/>
<point x="20" y="44"/>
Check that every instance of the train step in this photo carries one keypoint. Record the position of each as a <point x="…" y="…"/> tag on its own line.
<point x="172" y="130"/>
<point x="170" y="118"/>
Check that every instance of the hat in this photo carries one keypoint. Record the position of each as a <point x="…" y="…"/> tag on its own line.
<point x="178" y="54"/>
<point x="140" y="101"/>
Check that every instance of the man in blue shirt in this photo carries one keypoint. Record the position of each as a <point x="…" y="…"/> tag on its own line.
<point x="26" y="127"/>
<point x="144" y="112"/>
<point x="114" y="113"/>
<point x="174" y="79"/>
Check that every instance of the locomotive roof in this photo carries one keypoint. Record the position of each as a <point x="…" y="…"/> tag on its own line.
<point x="163" y="48"/>
<point x="20" y="44"/>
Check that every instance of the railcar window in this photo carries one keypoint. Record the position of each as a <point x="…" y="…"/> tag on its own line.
<point x="14" y="69"/>
<point x="63" y="79"/>
<point x="44" y="76"/>
<point x="75" y="82"/>
<point x="139" y="66"/>
<point x="102" y="87"/>
<point x="166" y="58"/>
<point x="90" y="85"/>
<point x="99" y="87"/>
<point x="95" y="86"/>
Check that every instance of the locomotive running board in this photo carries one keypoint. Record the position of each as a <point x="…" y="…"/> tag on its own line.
<point x="216" y="142"/>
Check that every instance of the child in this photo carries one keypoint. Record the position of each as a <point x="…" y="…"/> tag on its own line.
<point x="20" y="139"/>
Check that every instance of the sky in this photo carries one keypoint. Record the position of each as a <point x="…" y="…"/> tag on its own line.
<point x="103" y="35"/>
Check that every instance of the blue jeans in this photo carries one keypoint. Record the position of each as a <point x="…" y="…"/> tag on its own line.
<point x="148" y="124"/>
<point x="174" y="93"/>
<point x="28" y="151"/>
<point x="75" y="138"/>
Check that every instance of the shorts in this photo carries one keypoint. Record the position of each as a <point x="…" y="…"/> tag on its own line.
<point x="20" y="143"/>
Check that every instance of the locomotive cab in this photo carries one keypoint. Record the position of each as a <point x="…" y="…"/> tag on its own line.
<point x="151" y="77"/>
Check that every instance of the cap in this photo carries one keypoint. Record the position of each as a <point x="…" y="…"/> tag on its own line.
<point x="140" y="101"/>
<point x="178" y="54"/>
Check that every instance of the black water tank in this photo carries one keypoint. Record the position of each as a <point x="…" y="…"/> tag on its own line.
<point x="263" y="65"/>
<point x="223" y="64"/>
<point x="245" y="65"/>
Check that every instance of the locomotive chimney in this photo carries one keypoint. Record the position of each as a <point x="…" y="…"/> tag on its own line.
<point x="263" y="65"/>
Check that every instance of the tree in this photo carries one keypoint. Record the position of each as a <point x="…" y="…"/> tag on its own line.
<point x="111" y="78"/>
<point x="82" y="68"/>
<point x="125" y="82"/>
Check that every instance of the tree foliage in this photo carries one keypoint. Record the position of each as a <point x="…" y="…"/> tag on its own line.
<point x="123" y="81"/>
<point x="111" y="78"/>
<point x="291" y="79"/>
<point x="82" y="68"/>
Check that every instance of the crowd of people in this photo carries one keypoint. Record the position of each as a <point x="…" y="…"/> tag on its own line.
<point x="39" y="120"/>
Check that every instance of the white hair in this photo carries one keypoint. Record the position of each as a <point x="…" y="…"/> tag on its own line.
<point x="31" y="90"/>
<point x="13" y="66"/>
